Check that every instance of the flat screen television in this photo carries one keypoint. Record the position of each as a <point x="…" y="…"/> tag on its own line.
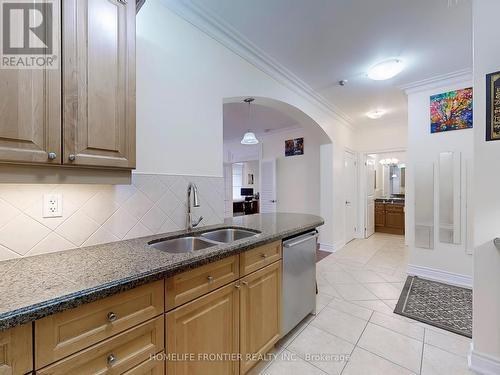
<point x="246" y="192"/>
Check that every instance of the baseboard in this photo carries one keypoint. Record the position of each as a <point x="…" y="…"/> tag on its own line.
<point x="330" y="247"/>
<point x="483" y="363"/>
<point x="439" y="275"/>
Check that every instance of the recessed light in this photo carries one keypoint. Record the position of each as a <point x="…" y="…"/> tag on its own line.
<point x="375" y="114"/>
<point x="386" y="69"/>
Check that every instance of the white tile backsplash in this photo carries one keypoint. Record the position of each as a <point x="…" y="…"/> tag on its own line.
<point x="95" y="214"/>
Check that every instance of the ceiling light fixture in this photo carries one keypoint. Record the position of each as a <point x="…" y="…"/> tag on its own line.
<point x="386" y="69"/>
<point x="389" y="161"/>
<point x="375" y="114"/>
<point x="249" y="137"/>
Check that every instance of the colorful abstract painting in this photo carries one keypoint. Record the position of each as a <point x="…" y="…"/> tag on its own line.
<point x="451" y="111"/>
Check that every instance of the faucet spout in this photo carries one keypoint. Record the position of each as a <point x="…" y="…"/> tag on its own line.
<point x="192" y="188"/>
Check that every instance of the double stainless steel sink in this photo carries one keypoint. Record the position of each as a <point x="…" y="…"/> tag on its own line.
<point x="202" y="241"/>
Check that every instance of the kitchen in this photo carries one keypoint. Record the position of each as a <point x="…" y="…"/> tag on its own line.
<point x="170" y="173"/>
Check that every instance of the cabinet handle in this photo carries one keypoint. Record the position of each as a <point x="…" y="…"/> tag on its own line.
<point x="111" y="359"/>
<point x="210" y="279"/>
<point x="72" y="157"/>
<point x="237" y="286"/>
<point x="112" y="317"/>
<point x="124" y="2"/>
<point x="263" y="256"/>
<point x="52" y="155"/>
<point x="245" y="283"/>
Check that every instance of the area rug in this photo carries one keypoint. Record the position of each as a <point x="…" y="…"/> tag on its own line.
<point x="441" y="305"/>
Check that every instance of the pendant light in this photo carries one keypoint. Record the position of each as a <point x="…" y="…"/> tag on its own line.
<point x="249" y="137"/>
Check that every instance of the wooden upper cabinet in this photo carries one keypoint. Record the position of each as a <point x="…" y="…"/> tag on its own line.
<point x="99" y="83"/>
<point x="30" y="114"/>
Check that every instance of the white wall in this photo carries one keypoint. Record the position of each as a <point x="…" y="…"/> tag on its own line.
<point x="382" y="137"/>
<point x="183" y="75"/>
<point x="448" y="259"/>
<point x="486" y="326"/>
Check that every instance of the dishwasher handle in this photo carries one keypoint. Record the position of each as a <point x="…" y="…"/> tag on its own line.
<point x="302" y="240"/>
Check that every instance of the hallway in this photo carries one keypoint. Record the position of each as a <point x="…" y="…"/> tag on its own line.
<point x="358" y="289"/>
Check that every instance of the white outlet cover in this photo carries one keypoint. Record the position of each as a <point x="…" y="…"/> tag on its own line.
<point x="52" y="205"/>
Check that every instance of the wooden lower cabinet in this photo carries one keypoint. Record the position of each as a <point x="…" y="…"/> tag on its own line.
<point x="390" y="218"/>
<point x="208" y="325"/>
<point x="116" y="355"/>
<point x="16" y="350"/>
<point x="260" y="317"/>
<point x="151" y="366"/>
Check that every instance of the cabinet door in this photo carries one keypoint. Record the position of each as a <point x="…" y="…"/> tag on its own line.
<point x="30" y="113"/>
<point x="206" y="326"/>
<point x="16" y="350"/>
<point x="260" y="319"/>
<point x="394" y="217"/>
<point x="379" y="215"/>
<point x="99" y="83"/>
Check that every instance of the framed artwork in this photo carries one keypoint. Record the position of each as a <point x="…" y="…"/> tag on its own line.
<point x="250" y="179"/>
<point x="451" y="111"/>
<point x="294" y="147"/>
<point x="493" y="106"/>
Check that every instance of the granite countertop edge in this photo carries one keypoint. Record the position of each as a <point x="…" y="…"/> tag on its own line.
<point x="64" y="302"/>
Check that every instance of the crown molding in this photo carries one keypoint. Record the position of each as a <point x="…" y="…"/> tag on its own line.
<point x="438" y="81"/>
<point x="219" y="30"/>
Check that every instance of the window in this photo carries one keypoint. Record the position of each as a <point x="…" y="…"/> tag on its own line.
<point x="237" y="180"/>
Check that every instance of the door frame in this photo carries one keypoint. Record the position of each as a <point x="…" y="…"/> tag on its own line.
<point x="363" y="186"/>
<point x="355" y="202"/>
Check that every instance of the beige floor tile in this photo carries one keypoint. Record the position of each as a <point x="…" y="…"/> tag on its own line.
<point x="376" y="305"/>
<point x="289" y="363"/>
<point x="408" y="329"/>
<point x="340" y="324"/>
<point x="397" y="348"/>
<point x="364" y="363"/>
<point x="327" y="352"/>
<point x="350" y="308"/>
<point x="367" y="276"/>
<point x="322" y="300"/>
<point x="339" y="277"/>
<point x="384" y="290"/>
<point x="439" y="362"/>
<point x="355" y="292"/>
<point x="448" y="341"/>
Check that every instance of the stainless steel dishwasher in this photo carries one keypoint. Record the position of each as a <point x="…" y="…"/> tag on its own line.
<point x="299" y="279"/>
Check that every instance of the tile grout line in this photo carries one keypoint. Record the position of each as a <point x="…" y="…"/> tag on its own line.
<point x="422" y="355"/>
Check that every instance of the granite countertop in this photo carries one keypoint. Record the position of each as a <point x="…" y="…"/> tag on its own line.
<point x="34" y="287"/>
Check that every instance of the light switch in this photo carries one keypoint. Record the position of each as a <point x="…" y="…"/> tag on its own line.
<point x="52" y="205"/>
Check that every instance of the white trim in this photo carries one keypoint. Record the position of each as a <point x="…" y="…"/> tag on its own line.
<point x="483" y="363"/>
<point x="176" y="174"/>
<point x="212" y="25"/>
<point x="327" y="247"/>
<point x="438" y="81"/>
<point x="439" y="275"/>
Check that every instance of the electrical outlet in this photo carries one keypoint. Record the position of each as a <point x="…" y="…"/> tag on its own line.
<point x="52" y="205"/>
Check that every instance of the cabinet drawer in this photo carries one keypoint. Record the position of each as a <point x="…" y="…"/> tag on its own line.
<point x="188" y="285"/>
<point x="128" y="350"/>
<point x="16" y="350"/>
<point x="254" y="259"/>
<point x="394" y="208"/>
<point x="151" y="366"/>
<point x="60" y="335"/>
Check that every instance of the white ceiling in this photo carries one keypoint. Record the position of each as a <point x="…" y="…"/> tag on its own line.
<point x="324" y="41"/>
<point x="262" y="119"/>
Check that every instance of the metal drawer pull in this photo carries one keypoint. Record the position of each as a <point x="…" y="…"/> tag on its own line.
<point x="123" y="2"/>
<point x="72" y="157"/>
<point x="111" y="359"/>
<point x="52" y="155"/>
<point x="237" y="286"/>
<point x="210" y="279"/>
<point x="245" y="283"/>
<point x="264" y="256"/>
<point x="112" y="316"/>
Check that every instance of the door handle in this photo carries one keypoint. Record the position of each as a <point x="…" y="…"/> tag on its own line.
<point x="347" y="202"/>
<point x="273" y="201"/>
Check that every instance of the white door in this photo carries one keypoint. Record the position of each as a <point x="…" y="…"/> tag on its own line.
<point x="268" y="186"/>
<point x="228" y="190"/>
<point x="370" y="197"/>
<point x="350" y="195"/>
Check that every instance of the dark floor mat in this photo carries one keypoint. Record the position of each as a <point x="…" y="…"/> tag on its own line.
<point x="441" y="305"/>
